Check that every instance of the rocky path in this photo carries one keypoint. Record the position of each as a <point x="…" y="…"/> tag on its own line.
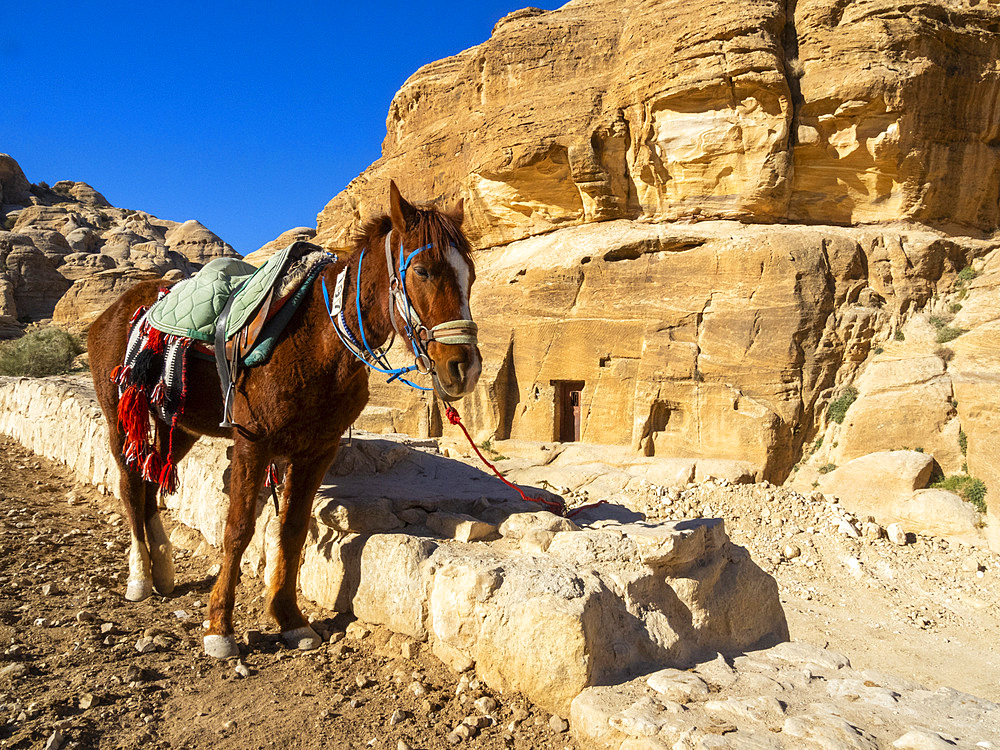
<point x="927" y="609"/>
<point x="82" y="668"/>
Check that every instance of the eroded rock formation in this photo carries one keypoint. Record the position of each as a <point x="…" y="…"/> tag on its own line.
<point x="66" y="253"/>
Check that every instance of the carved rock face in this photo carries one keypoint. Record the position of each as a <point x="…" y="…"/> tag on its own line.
<point x="842" y="113"/>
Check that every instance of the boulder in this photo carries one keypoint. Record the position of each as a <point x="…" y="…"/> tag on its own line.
<point x="942" y="514"/>
<point x="259" y="257"/>
<point x="878" y="484"/>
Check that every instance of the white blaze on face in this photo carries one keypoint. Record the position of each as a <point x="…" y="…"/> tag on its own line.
<point x="461" y="266"/>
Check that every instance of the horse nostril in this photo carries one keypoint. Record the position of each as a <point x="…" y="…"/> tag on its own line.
<point x="458" y="369"/>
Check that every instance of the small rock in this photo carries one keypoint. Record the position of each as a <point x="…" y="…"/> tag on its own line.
<point x="791" y="551"/>
<point x="55" y="741"/>
<point x="41" y="622"/>
<point x="181" y="614"/>
<point x="14" y="670"/>
<point x="872" y="530"/>
<point x="403" y="745"/>
<point x="463" y="731"/>
<point x="107" y="627"/>
<point x="409" y="649"/>
<point x="242" y="670"/>
<point x="362" y="681"/>
<point x="85" y="616"/>
<point x="229" y="726"/>
<point x="87" y="700"/>
<point x="145" y="645"/>
<point x="417" y="689"/>
<point x="398" y="717"/>
<point x="847" y="528"/>
<point x="486" y="704"/>
<point x="896" y="534"/>
<point x="162" y="642"/>
<point x="358" y="631"/>
<point x="558" y="724"/>
<point x="50" y="589"/>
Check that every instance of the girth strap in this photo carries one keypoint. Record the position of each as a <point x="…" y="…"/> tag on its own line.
<point x="227" y="369"/>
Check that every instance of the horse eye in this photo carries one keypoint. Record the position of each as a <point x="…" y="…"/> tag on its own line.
<point x="421" y="272"/>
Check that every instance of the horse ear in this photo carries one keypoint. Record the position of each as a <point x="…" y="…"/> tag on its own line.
<point x="402" y="213"/>
<point x="458" y="212"/>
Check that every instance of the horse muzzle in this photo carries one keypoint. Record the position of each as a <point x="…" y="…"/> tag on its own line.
<point x="456" y="370"/>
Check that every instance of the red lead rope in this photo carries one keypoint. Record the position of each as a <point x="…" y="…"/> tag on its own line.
<point x="555" y="506"/>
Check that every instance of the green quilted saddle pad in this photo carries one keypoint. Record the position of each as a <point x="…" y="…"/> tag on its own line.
<point x="193" y="305"/>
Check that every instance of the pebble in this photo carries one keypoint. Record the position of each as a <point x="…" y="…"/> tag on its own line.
<point x="85" y="616"/>
<point x="558" y="724"/>
<point x="847" y="528"/>
<point x="403" y="745"/>
<point x="418" y="689"/>
<point x="486" y="704"/>
<point x="229" y="726"/>
<point x="145" y="645"/>
<point x="87" y="700"/>
<point x="398" y="717"/>
<point x="14" y="670"/>
<point x="242" y="670"/>
<point x="107" y="627"/>
<point x="50" y="589"/>
<point x="791" y="551"/>
<point x="362" y="681"/>
<point x="55" y="741"/>
<point x="896" y="534"/>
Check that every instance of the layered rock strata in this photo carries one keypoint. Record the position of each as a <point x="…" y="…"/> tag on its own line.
<point x="814" y="112"/>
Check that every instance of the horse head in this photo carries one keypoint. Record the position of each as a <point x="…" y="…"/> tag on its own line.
<point x="431" y="277"/>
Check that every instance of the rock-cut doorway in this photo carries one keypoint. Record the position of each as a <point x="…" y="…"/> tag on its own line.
<point x="569" y="399"/>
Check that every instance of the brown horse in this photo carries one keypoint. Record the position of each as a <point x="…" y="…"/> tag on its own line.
<point x="298" y="404"/>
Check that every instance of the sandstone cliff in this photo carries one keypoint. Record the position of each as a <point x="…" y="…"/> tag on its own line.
<point x="711" y="218"/>
<point x="66" y="252"/>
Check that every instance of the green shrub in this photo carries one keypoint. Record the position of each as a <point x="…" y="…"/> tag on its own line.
<point x="967" y="274"/>
<point x="818" y="444"/>
<point x="963" y="442"/>
<point x="971" y="490"/>
<point x="938" y="321"/>
<point x="827" y="468"/>
<point x="947" y="333"/>
<point x="900" y="336"/>
<point x="954" y="307"/>
<point x="837" y="409"/>
<point x="44" y="351"/>
<point x="879" y="350"/>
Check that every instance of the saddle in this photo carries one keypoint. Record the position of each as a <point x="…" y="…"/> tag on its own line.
<point x="238" y="308"/>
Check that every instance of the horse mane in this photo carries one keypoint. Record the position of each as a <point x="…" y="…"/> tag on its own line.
<point x="432" y="227"/>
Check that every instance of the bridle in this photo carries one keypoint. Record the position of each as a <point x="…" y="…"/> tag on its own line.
<point x="414" y="332"/>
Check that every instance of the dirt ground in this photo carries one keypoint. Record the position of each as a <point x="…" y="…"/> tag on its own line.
<point x="69" y="662"/>
<point x="70" y="668"/>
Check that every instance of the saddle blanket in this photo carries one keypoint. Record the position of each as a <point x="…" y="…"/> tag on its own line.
<point x="193" y="305"/>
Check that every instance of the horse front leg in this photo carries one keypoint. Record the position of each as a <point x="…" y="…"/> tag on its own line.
<point x="302" y="479"/>
<point x="246" y="476"/>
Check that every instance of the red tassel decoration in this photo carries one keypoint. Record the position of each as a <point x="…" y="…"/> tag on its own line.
<point x="159" y="394"/>
<point x="168" y="477"/>
<point x="155" y="340"/>
<point x="137" y="314"/>
<point x="151" y="468"/>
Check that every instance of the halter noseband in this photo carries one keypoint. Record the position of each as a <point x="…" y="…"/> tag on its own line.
<point x="454" y="332"/>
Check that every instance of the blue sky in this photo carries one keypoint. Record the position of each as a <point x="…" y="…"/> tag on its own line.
<point x="246" y="116"/>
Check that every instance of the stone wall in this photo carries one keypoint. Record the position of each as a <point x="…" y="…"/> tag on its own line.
<point x="407" y="538"/>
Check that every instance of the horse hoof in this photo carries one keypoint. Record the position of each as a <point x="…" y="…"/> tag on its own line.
<point x="136" y="591"/>
<point x="221" y="646"/>
<point x="164" y="588"/>
<point x="304" y="638"/>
